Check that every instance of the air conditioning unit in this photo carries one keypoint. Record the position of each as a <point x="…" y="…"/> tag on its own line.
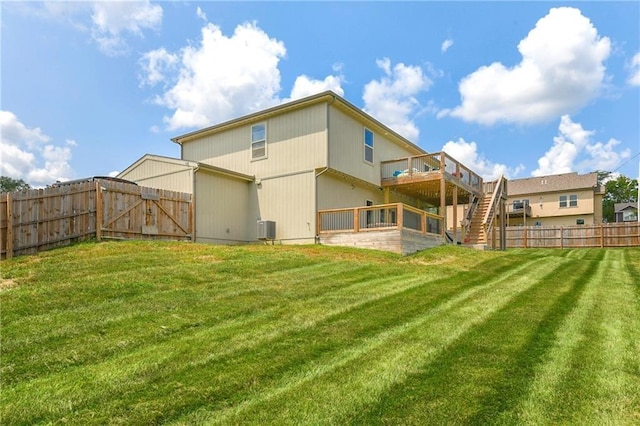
<point x="266" y="230"/>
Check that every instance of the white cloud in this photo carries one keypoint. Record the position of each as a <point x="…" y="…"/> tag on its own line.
<point x="446" y="45"/>
<point x="467" y="154"/>
<point x="113" y="21"/>
<point x="222" y="77"/>
<point x="562" y="69"/>
<point x="27" y="154"/>
<point x="306" y="86"/>
<point x="634" y="68"/>
<point x="109" y="23"/>
<point x="156" y="64"/>
<point x="392" y="99"/>
<point x="573" y="150"/>
<point x="201" y="14"/>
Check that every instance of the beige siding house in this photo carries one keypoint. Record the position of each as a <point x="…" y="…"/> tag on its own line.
<point x="214" y="222"/>
<point x="567" y="199"/>
<point x="317" y="167"/>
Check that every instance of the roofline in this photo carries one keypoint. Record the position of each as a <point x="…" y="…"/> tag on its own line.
<point x="226" y="172"/>
<point x="328" y="96"/>
<point x="188" y="163"/>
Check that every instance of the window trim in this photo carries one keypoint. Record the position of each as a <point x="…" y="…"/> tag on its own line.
<point x="258" y="141"/>
<point x="569" y="201"/>
<point x="365" y="146"/>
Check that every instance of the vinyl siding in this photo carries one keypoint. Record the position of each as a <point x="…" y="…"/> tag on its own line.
<point x="296" y="141"/>
<point x="346" y="147"/>
<point x="337" y="193"/>
<point x="156" y="173"/>
<point x="223" y="209"/>
<point x="290" y="202"/>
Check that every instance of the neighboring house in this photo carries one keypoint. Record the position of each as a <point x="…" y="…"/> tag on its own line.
<point x="626" y="212"/>
<point x="555" y="200"/>
<point x="316" y="167"/>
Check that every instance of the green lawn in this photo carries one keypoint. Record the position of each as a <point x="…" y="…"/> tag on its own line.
<point x="178" y="333"/>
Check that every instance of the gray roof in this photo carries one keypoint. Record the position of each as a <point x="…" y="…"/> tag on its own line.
<point x="618" y="207"/>
<point x="553" y="183"/>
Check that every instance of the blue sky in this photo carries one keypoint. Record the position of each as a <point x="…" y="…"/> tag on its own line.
<point x="516" y="88"/>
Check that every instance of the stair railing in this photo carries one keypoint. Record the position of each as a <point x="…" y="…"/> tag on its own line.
<point x="466" y="221"/>
<point x="499" y="192"/>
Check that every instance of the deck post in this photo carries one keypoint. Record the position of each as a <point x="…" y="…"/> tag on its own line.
<point x="455" y="213"/>
<point x="387" y="194"/>
<point x="400" y="216"/>
<point x="356" y="220"/>
<point x="443" y="199"/>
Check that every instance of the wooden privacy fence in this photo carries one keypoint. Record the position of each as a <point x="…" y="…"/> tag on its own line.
<point x="41" y="219"/>
<point x="602" y="235"/>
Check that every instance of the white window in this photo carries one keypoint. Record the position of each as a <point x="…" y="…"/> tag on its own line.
<point x="368" y="146"/>
<point x="568" y="201"/>
<point x="629" y="216"/>
<point x="258" y="141"/>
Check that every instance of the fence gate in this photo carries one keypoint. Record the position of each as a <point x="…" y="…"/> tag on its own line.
<point x="41" y="219"/>
<point x="134" y="212"/>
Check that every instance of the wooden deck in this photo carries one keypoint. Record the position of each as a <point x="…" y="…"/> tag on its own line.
<point x="391" y="227"/>
<point x="437" y="179"/>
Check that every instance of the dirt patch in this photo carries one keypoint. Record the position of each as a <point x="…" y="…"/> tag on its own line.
<point x="6" y="284"/>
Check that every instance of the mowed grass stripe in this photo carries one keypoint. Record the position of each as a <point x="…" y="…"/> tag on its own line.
<point x="96" y="382"/>
<point x="75" y="337"/>
<point x="380" y="342"/>
<point x="489" y="367"/>
<point x="332" y="390"/>
<point x="543" y="404"/>
<point x="221" y="339"/>
<point x="133" y="371"/>
<point x="602" y="385"/>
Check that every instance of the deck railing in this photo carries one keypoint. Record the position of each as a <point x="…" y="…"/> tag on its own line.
<point x="424" y="165"/>
<point x="380" y="217"/>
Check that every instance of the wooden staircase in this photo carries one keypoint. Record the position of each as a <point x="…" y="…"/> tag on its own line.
<point x="476" y="235"/>
<point x="482" y="214"/>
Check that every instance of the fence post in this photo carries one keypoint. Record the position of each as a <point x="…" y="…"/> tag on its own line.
<point x="525" y="237"/>
<point x="561" y="237"/>
<point x="99" y="212"/>
<point x="601" y="235"/>
<point x="9" y="254"/>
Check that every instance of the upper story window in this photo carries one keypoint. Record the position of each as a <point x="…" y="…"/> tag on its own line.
<point x="368" y="146"/>
<point x="569" y="200"/>
<point x="258" y="141"/>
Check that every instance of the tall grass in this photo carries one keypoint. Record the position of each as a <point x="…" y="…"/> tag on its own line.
<point x="142" y="332"/>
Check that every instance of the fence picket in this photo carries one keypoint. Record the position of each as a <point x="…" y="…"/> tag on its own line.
<point x="41" y="219"/>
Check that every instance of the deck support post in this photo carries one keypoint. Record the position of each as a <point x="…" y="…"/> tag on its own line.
<point x="443" y="202"/>
<point x="455" y="215"/>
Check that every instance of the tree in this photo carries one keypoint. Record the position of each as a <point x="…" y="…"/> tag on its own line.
<point x="618" y="190"/>
<point x="8" y="184"/>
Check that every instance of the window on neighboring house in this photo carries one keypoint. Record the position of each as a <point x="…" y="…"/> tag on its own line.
<point x="368" y="146"/>
<point x="568" y="201"/>
<point x="629" y="216"/>
<point x="258" y="141"/>
<point x="579" y="221"/>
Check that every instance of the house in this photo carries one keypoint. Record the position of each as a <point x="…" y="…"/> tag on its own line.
<point x="626" y="212"/>
<point x="317" y="169"/>
<point x="566" y="199"/>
